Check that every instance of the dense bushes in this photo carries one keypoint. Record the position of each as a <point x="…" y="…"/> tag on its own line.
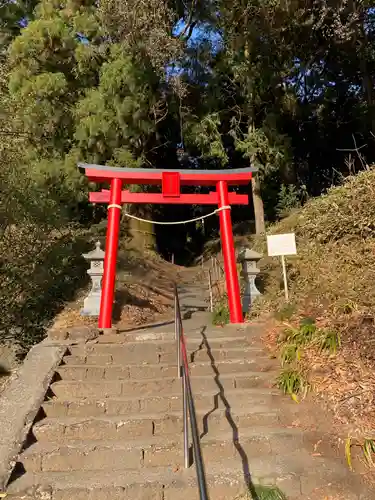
<point x="40" y="250"/>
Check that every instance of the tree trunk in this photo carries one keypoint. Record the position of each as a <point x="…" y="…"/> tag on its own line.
<point x="142" y="233"/>
<point x="260" y="227"/>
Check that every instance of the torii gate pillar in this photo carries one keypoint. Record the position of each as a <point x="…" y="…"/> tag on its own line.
<point x="229" y="255"/>
<point x="110" y="260"/>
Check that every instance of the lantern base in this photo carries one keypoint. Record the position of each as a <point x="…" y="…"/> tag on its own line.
<point x="91" y="305"/>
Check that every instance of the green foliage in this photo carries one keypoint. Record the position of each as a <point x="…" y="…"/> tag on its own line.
<point x="11" y="15"/>
<point x="268" y="493"/>
<point x="120" y="82"/>
<point x="289" y="199"/>
<point x="293" y="383"/>
<point x="40" y="263"/>
<point x="329" y="340"/>
<point x="143" y="29"/>
<point x="116" y="115"/>
<point x="307" y="321"/>
<point x="343" y="212"/>
<point x="307" y="334"/>
<point x="206" y="136"/>
<point x="292" y="380"/>
<point x="262" y="492"/>
<point x="265" y="151"/>
<point x="301" y="335"/>
<point x="290" y="353"/>
<point x="332" y="273"/>
<point x="220" y="315"/>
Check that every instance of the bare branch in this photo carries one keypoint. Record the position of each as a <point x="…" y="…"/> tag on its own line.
<point x="191" y="29"/>
<point x="356" y="149"/>
<point x="188" y="27"/>
<point x="352" y="150"/>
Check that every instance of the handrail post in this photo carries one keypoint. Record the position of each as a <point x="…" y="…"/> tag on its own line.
<point x="188" y="407"/>
<point x="177" y="328"/>
<point x="210" y="288"/>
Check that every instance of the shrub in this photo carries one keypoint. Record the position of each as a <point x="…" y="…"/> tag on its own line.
<point x="260" y="492"/>
<point x="220" y="315"/>
<point x="293" y="382"/>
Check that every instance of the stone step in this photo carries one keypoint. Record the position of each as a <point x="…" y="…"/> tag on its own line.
<point x="140" y="372"/>
<point x="167" y="333"/>
<point x="149" y="352"/>
<point x="244" y="399"/>
<point x="119" y="427"/>
<point x="66" y="389"/>
<point x="299" y="475"/>
<point x="79" y="356"/>
<point x="156" y="451"/>
<point x="158" y="484"/>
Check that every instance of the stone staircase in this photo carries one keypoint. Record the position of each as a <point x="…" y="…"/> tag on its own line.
<point x="111" y="424"/>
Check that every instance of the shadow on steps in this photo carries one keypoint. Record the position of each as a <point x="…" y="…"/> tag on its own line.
<point x="235" y="432"/>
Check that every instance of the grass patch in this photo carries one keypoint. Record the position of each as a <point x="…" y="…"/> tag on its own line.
<point x="264" y="493"/>
<point x="268" y="493"/>
<point x="301" y="335"/>
<point x="292" y="382"/>
<point x="289" y="354"/>
<point x="329" y="340"/>
<point x="367" y="447"/>
<point x="292" y="342"/>
<point x="220" y="315"/>
<point x="286" y="312"/>
<point x="293" y="339"/>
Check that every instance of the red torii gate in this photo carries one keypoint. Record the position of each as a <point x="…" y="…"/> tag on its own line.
<point x="171" y="182"/>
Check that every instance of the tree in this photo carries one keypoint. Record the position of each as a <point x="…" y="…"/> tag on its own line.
<point x="13" y="16"/>
<point x="283" y="86"/>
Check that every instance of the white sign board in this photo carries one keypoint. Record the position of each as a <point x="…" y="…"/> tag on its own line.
<point x="281" y="244"/>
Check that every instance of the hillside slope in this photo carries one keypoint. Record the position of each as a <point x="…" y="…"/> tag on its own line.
<point x="332" y="287"/>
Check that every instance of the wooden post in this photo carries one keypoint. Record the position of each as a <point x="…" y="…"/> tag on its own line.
<point x="285" y="278"/>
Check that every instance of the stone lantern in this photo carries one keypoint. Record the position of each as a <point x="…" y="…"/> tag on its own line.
<point x="249" y="259"/>
<point x="95" y="258"/>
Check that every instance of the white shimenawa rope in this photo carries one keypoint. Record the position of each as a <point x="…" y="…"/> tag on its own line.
<point x="226" y="207"/>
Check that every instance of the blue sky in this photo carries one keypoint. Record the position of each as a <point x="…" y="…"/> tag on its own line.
<point x="201" y="32"/>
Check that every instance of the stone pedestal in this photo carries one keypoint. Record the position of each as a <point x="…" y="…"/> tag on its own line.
<point x="95" y="258"/>
<point x="249" y="259"/>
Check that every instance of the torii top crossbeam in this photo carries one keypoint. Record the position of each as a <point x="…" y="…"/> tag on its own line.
<point x="170" y="182"/>
<point x="98" y="173"/>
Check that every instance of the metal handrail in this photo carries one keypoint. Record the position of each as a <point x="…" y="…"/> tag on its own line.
<point x="188" y="406"/>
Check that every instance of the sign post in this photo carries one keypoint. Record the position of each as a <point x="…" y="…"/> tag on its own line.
<point x="285" y="278"/>
<point x="280" y="245"/>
